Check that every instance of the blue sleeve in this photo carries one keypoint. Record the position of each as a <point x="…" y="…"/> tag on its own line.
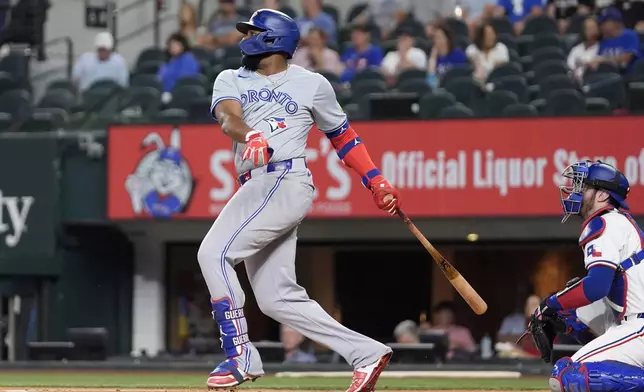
<point x="192" y="66"/>
<point x="631" y="42"/>
<point x="594" y="286"/>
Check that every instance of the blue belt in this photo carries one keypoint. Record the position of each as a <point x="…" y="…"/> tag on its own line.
<point x="632" y="261"/>
<point x="271" y="167"/>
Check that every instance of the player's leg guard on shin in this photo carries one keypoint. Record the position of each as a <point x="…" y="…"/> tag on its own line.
<point x="237" y="368"/>
<point x="555" y="382"/>
<point x="605" y="376"/>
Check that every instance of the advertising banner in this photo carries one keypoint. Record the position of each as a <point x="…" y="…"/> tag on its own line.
<point x="457" y="168"/>
<point x="28" y="197"/>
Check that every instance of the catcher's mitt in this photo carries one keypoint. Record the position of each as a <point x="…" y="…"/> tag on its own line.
<point x="544" y="327"/>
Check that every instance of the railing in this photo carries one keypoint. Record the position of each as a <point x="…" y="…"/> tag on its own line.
<point x="69" y="53"/>
<point x="113" y="13"/>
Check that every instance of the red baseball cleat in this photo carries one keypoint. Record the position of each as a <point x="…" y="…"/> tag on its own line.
<point x="366" y="377"/>
<point x="227" y="375"/>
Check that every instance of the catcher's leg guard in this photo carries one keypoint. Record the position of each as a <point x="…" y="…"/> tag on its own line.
<point x="606" y="376"/>
<point x="558" y="369"/>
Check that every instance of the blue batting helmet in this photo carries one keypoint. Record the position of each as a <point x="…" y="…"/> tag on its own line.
<point x="277" y="32"/>
<point x="594" y="174"/>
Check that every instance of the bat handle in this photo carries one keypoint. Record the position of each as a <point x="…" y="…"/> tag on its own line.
<point x="403" y="216"/>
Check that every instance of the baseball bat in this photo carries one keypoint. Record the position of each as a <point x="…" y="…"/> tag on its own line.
<point x="455" y="278"/>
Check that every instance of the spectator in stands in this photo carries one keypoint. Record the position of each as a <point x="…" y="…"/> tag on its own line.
<point x="406" y="332"/>
<point x="181" y="63"/>
<point x="444" y="54"/>
<point x="486" y="53"/>
<point x="585" y="52"/>
<point x="103" y="64"/>
<point x="563" y="10"/>
<point x="519" y="11"/>
<point x="390" y="15"/>
<point x="619" y="45"/>
<point x="405" y="57"/>
<point x="315" y="17"/>
<point x="222" y="25"/>
<point x="292" y="342"/>
<point x="316" y="55"/>
<point x="361" y="54"/>
<point x="461" y="342"/>
<point x="513" y="326"/>
<point x="189" y="26"/>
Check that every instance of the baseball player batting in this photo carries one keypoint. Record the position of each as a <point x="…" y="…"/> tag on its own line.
<point x="613" y="288"/>
<point x="267" y="108"/>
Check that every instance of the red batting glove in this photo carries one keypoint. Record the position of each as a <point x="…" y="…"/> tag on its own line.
<point x="385" y="195"/>
<point x="256" y="149"/>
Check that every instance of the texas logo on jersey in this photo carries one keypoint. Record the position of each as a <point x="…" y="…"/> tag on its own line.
<point x="276" y="123"/>
<point x="593" y="251"/>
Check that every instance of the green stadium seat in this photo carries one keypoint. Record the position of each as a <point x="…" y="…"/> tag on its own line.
<point x="413" y="74"/>
<point x="368" y="86"/>
<point x="565" y="102"/>
<point x="194" y="80"/>
<point x="45" y="120"/>
<point x="431" y="104"/>
<point x="146" y="80"/>
<point x="6" y="122"/>
<point x="597" y="107"/>
<point x="550" y="67"/>
<point x="520" y="110"/>
<point x="636" y="97"/>
<point x="58" y="98"/>
<point x="540" y="25"/>
<point x="7" y="82"/>
<point x="183" y="96"/>
<point x="171" y="116"/>
<point x="458" y="71"/>
<point x="148" y="67"/>
<point x="502" y="26"/>
<point x="151" y="54"/>
<point x="456" y="111"/>
<point x="611" y="87"/>
<point x="546" y="41"/>
<point x="65" y="84"/>
<point x="17" y="103"/>
<point x="368" y="74"/>
<point x="417" y="85"/>
<point x="465" y="90"/>
<point x="555" y="82"/>
<point x="496" y="101"/>
<point x="332" y="11"/>
<point x="507" y="69"/>
<point x="140" y="102"/>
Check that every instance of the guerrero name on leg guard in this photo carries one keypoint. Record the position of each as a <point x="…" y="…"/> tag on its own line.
<point x="267" y="107"/>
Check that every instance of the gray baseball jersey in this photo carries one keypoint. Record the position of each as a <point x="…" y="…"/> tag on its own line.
<point x="259" y="223"/>
<point x="283" y="106"/>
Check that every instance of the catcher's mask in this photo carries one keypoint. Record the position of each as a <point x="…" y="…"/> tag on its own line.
<point x="597" y="175"/>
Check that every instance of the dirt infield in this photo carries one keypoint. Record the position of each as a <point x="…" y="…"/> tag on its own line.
<point x="198" y="389"/>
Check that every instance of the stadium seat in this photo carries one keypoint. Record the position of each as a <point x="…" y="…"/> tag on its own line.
<point x="45" y="120"/>
<point x="597" y="107"/>
<point x="508" y="40"/>
<point x="555" y="82"/>
<point x="431" y="104"/>
<point x="496" y="101"/>
<point x="456" y="111"/>
<point x="462" y="42"/>
<point x="355" y="10"/>
<point x="576" y="24"/>
<point x="638" y="68"/>
<point x="194" y="80"/>
<point x="62" y="84"/>
<point x="540" y="25"/>
<point x="547" y="53"/>
<point x="58" y="98"/>
<point x="213" y="72"/>
<point x="232" y="62"/>
<point x="367" y="74"/>
<point x="331" y="77"/>
<point x="362" y="88"/>
<point x="332" y="11"/>
<point x="172" y="116"/>
<point x="140" y="101"/>
<point x="411" y="74"/>
<point x="502" y="26"/>
<point x="226" y="52"/>
<point x="203" y="54"/>
<point x="545" y="41"/>
<point x="636" y="97"/>
<point x="6" y="122"/>
<point x="182" y="96"/>
<point x="418" y="86"/>
<point x="507" y="69"/>
<point x="459" y="28"/>
<point x="7" y="82"/>
<point x="565" y="102"/>
<point x="289" y="11"/>
<point x="611" y="87"/>
<point x="17" y="103"/>
<point x="146" y="80"/>
<point x="465" y="90"/>
<point x="549" y="67"/>
<point x="151" y="54"/>
<point x="106" y="84"/>
<point x="199" y="110"/>
<point x="148" y="67"/>
<point x="456" y="72"/>
<point x="517" y="84"/>
<point x="100" y="100"/>
<point x="520" y="110"/>
<point x="540" y="105"/>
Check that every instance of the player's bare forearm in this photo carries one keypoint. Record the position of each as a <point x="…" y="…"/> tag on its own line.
<point x="229" y="116"/>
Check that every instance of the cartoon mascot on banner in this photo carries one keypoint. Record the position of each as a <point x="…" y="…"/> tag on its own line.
<point x="162" y="183"/>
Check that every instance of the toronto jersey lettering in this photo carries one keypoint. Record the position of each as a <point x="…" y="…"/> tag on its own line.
<point x="283" y="106"/>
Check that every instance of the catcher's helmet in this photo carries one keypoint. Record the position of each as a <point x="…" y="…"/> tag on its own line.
<point x="277" y="33"/>
<point x="598" y="175"/>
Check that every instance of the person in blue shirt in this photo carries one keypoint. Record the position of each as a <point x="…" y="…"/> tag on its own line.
<point x="444" y="54"/>
<point x="361" y="54"/>
<point x="181" y="62"/>
<point x="315" y="17"/>
<point x="518" y="11"/>
<point x="619" y="45"/>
